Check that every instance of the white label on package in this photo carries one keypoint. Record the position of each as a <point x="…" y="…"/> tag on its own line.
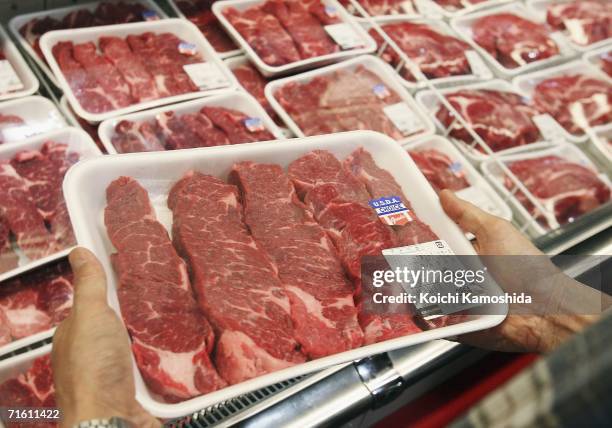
<point x="9" y="80"/>
<point x="477" y="65"/>
<point x="433" y="248"/>
<point x="548" y="127"/>
<point x="391" y="210"/>
<point x="206" y="75"/>
<point x="404" y="118"/>
<point x="344" y="35"/>
<point x="427" y="8"/>
<point x="479" y="198"/>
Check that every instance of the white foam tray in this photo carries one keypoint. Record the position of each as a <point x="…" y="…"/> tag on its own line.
<point x="269" y="70"/>
<point x="78" y="141"/>
<point x="592" y="57"/>
<point x="495" y="204"/>
<point x="240" y="101"/>
<point x="222" y="55"/>
<point x="463" y="26"/>
<point x="27" y="77"/>
<point x="39" y="115"/>
<point x="183" y="29"/>
<point x="526" y="85"/>
<point x="443" y="28"/>
<point x="495" y="175"/>
<point x="539" y="8"/>
<point x="85" y="187"/>
<point x="430" y="103"/>
<point x="376" y="65"/>
<point x="18" y="21"/>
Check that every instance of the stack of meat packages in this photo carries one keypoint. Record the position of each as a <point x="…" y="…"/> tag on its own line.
<point x="34" y="221"/>
<point x="116" y="72"/>
<point x="262" y="271"/>
<point x="286" y="31"/>
<point x="211" y="126"/>
<point x="199" y="12"/>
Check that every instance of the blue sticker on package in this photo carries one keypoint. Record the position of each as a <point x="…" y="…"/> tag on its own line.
<point x="391" y="210"/>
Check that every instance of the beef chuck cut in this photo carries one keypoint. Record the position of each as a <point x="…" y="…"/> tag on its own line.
<point x="199" y="12"/>
<point x="255" y="83"/>
<point x="171" y="339"/>
<point x="501" y="119"/>
<point x="324" y="317"/>
<point x="236" y="284"/>
<point x="437" y="55"/>
<point x="514" y="41"/>
<point x="575" y="101"/>
<point x="439" y="169"/>
<point x="234" y="124"/>
<point x="129" y="137"/>
<point x="586" y="21"/>
<point x="563" y="187"/>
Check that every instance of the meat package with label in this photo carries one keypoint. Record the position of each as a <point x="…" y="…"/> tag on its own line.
<point x="34" y="221"/>
<point x="199" y="12"/>
<point x="31" y="388"/>
<point x="286" y="31"/>
<point x="208" y="127"/>
<point x="105" y="13"/>
<point x="35" y="302"/>
<point x="513" y="40"/>
<point x="585" y="21"/>
<point x="441" y="171"/>
<point x="348" y="100"/>
<point x="245" y="263"/>
<point x="254" y="83"/>
<point x="564" y="187"/>
<point x="437" y="55"/>
<point x="117" y="72"/>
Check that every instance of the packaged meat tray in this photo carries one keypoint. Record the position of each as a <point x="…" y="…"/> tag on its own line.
<point x="143" y="65"/>
<point x="586" y="24"/>
<point x="362" y="93"/>
<point x="28" y="28"/>
<point x="576" y="94"/>
<point x="200" y="13"/>
<point x="33" y="304"/>
<point x="445" y="168"/>
<point x="512" y="39"/>
<point x="77" y="122"/>
<point x="98" y="191"/>
<point x="601" y="58"/>
<point x="25" y="117"/>
<point x="382" y="10"/>
<point x="288" y="36"/>
<point x="34" y="224"/>
<point x="230" y="118"/>
<point x="560" y="177"/>
<point x="16" y="78"/>
<point x="435" y="48"/>
<point x="499" y="114"/>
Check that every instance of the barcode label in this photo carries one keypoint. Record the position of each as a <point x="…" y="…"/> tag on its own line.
<point x="404" y="119"/>
<point x="9" y="80"/>
<point x="344" y="35"/>
<point x="206" y="75"/>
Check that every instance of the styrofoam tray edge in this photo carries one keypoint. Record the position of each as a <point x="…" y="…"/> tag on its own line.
<point x="29" y="79"/>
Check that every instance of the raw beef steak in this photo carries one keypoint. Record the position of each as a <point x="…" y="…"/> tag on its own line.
<point x="563" y="187"/>
<point x="8" y="259"/>
<point x="575" y="101"/>
<point x="606" y="62"/>
<point x="382" y="7"/>
<point x="8" y="123"/>
<point x="322" y="307"/>
<point x="171" y="339"/>
<point x="235" y="281"/>
<point x="586" y="21"/>
<point x="199" y="12"/>
<point x="130" y="137"/>
<point x="340" y="101"/>
<point x="512" y="40"/>
<point x="255" y="83"/>
<point x="501" y="119"/>
<point x="437" y="55"/>
<point x="32" y="389"/>
<point x="235" y="125"/>
<point x="36" y="301"/>
<point x="440" y="170"/>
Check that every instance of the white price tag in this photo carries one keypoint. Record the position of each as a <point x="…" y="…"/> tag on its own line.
<point x="404" y="119"/>
<point x="427" y="8"/>
<point x="479" y="198"/>
<point x="9" y="80"/>
<point x="477" y="65"/>
<point x="433" y="248"/>
<point x="559" y="38"/>
<point x="344" y="35"/>
<point x="548" y="127"/>
<point x="206" y="75"/>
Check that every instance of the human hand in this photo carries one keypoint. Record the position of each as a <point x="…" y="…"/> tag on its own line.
<point x="562" y="306"/>
<point x="92" y="367"/>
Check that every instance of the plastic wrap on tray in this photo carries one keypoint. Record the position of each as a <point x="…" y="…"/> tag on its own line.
<point x="585" y="22"/>
<point x="25" y="117"/>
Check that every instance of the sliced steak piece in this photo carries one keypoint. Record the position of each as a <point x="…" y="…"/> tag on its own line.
<point x="234" y="124"/>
